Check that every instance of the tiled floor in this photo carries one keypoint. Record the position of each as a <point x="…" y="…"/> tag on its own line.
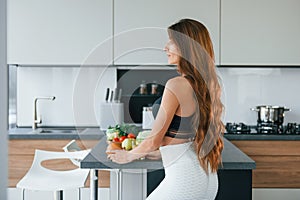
<point x="276" y="194"/>
<point x="258" y="194"/>
<point x="15" y="194"/>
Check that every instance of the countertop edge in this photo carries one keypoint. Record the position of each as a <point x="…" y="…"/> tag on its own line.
<point x="262" y="137"/>
<point x="232" y="159"/>
<point x="25" y="133"/>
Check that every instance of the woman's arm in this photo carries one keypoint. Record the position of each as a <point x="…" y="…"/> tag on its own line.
<point x="161" y="124"/>
<point x="154" y="155"/>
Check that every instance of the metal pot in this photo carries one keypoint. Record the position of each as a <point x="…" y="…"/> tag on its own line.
<point x="270" y="114"/>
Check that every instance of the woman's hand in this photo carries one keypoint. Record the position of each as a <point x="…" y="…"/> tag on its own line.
<point x="154" y="155"/>
<point x="120" y="156"/>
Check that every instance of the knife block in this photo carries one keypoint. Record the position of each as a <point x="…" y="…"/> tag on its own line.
<point x="111" y="114"/>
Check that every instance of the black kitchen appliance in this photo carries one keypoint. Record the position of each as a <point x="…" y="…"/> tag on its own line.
<point x="262" y="128"/>
<point x="138" y="91"/>
<point x="269" y="122"/>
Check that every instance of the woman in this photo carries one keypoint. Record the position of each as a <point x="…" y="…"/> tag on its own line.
<point x="188" y="127"/>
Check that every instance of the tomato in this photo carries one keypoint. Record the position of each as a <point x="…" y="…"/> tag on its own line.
<point x="116" y="139"/>
<point x="122" y="138"/>
<point x="131" y="135"/>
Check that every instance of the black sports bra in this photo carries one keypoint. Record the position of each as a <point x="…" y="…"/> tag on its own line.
<point x="180" y="127"/>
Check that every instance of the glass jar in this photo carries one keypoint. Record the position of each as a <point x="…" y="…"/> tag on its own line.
<point x="143" y="88"/>
<point x="154" y="87"/>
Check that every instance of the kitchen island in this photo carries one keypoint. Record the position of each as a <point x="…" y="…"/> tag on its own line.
<point x="235" y="174"/>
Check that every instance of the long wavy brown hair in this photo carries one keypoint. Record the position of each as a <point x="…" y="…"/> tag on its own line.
<point x="196" y="62"/>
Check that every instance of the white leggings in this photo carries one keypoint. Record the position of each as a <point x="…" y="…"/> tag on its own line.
<point x="185" y="179"/>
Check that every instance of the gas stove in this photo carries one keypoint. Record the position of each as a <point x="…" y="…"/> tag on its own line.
<point x="263" y="128"/>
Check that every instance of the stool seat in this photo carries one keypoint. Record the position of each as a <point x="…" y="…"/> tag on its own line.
<point x="40" y="178"/>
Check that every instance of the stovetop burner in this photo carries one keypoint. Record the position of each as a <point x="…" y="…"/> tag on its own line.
<point x="263" y="128"/>
<point x="269" y="128"/>
<point x="239" y="128"/>
<point x="292" y="128"/>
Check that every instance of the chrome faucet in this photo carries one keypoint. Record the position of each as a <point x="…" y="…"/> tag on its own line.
<point x="37" y="121"/>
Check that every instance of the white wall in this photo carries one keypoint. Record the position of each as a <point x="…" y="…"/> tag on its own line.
<point x="3" y="101"/>
<point x="245" y="88"/>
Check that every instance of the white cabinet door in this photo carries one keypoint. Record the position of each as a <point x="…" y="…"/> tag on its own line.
<point x="260" y="32"/>
<point x="140" y="27"/>
<point x="58" y="31"/>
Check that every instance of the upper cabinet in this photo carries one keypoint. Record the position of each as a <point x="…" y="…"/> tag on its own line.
<point x="140" y="27"/>
<point x="134" y="32"/>
<point x="260" y="32"/>
<point x="59" y="31"/>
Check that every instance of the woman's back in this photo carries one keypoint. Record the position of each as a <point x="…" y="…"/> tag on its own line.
<point x="183" y="92"/>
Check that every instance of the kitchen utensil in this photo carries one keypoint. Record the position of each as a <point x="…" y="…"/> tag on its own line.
<point x="270" y="114"/>
<point x="119" y="95"/>
<point x="115" y="95"/>
<point x="107" y="95"/>
<point x="111" y="96"/>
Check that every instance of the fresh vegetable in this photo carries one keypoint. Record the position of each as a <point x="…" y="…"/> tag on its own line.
<point x="122" y="138"/>
<point x="122" y="130"/>
<point x="110" y="136"/>
<point x="128" y="143"/>
<point x="123" y="135"/>
<point x="142" y="136"/>
<point x="130" y="128"/>
<point x="131" y="135"/>
<point x="111" y="133"/>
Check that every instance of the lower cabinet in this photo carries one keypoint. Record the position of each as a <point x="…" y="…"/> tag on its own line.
<point x="21" y="153"/>
<point x="277" y="162"/>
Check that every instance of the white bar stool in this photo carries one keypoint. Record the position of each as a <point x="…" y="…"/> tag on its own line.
<point x="42" y="179"/>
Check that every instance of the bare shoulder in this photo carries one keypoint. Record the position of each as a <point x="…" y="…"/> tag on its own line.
<point x="177" y="83"/>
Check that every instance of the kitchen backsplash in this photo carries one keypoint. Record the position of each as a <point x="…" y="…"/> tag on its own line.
<point x="77" y="90"/>
<point x="244" y="88"/>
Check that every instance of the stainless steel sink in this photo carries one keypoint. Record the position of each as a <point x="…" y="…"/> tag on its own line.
<point x="59" y="130"/>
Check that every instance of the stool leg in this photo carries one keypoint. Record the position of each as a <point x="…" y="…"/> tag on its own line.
<point x="79" y="192"/>
<point x="94" y="184"/>
<point x="120" y="195"/>
<point x="58" y="195"/>
<point x="23" y="194"/>
<point x="118" y="183"/>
